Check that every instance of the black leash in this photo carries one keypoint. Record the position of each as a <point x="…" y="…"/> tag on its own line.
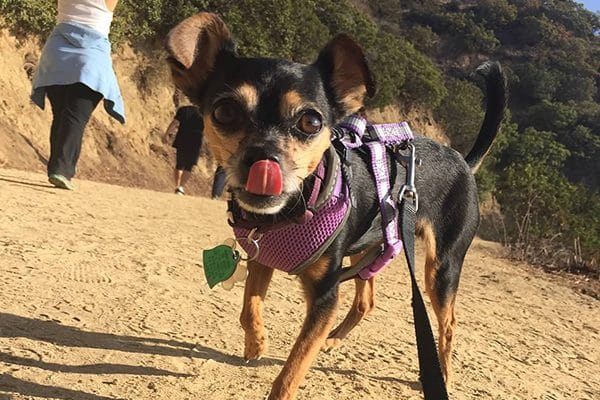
<point x="430" y="373"/>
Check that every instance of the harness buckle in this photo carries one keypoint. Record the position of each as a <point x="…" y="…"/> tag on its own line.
<point x="409" y="190"/>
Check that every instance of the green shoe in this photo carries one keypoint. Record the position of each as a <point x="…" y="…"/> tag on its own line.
<point x="60" y="181"/>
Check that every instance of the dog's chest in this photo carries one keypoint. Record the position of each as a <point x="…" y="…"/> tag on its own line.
<point x="292" y="247"/>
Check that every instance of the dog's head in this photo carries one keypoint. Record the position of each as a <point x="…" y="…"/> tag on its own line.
<point x="266" y="121"/>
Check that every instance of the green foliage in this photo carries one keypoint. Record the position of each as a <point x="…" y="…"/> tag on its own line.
<point x="552" y="116"/>
<point x="424" y="39"/>
<point x="538" y="201"/>
<point x="460" y="113"/>
<point x="536" y="147"/>
<point x="487" y="176"/>
<point x="576" y="88"/>
<point x="403" y="72"/>
<point x="29" y="16"/>
<point x="534" y="82"/>
<point x="270" y="30"/>
<point x="536" y="30"/>
<point x="495" y="12"/>
<point x="572" y="16"/>
<point x="137" y="23"/>
<point x="341" y="17"/>
<point x="533" y="194"/>
<point x="389" y="78"/>
<point x="466" y="34"/>
<point x="584" y="146"/>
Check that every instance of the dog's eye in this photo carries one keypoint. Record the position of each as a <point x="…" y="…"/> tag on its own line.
<point x="227" y="113"/>
<point x="310" y="123"/>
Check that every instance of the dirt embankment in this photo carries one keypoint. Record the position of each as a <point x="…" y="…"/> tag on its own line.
<point x="133" y="154"/>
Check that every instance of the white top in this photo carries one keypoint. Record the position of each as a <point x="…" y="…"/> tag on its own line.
<point x="92" y="13"/>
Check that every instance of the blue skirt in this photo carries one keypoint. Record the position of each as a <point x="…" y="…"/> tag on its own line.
<point x="78" y="54"/>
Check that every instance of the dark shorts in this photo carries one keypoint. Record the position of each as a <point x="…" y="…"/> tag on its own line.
<point x="186" y="159"/>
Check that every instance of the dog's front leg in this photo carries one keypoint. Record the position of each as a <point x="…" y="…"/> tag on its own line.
<point x="320" y="286"/>
<point x="364" y="302"/>
<point x="251" y="319"/>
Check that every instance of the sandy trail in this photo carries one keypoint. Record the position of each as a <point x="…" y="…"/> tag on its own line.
<point x="103" y="297"/>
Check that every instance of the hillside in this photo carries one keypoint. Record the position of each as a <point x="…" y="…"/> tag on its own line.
<point x="103" y="302"/>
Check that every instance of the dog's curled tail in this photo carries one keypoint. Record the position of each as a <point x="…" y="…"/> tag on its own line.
<point x="495" y="83"/>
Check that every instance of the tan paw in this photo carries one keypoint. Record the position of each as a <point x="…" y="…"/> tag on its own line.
<point x="255" y="347"/>
<point x="331" y="343"/>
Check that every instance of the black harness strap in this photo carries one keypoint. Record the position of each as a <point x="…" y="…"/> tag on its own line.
<point x="430" y="373"/>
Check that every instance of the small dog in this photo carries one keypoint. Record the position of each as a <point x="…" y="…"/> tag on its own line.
<point x="269" y="123"/>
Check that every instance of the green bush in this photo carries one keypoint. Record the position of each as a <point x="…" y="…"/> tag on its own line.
<point x="552" y="116"/>
<point x="495" y="12"/>
<point x="538" y="202"/>
<point x="461" y="113"/>
<point x="535" y="82"/>
<point x="26" y="17"/>
<point x="423" y="38"/>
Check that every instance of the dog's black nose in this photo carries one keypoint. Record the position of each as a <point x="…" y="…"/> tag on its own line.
<point x="255" y="153"/>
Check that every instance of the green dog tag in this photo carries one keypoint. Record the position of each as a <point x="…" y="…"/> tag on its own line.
<point x="219" y="263"/>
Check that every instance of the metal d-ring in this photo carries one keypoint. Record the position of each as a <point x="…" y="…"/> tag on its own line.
<point x="252" y="239"/>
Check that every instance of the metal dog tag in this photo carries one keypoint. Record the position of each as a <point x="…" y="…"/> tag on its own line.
<point x="220" y="263"/>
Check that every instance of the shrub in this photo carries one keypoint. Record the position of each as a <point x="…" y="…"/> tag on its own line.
<point x="461" y="113"/>
<point x="26" y="17"/>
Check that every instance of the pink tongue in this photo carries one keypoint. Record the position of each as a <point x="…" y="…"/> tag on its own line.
<point x="265" y="178"/>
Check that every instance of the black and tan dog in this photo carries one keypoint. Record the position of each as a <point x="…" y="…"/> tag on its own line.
<point x="266" y="109"/>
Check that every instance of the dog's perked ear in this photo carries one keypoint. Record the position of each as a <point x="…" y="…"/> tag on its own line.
<point x="194" y="47"/>
<point x="346" y="73"/>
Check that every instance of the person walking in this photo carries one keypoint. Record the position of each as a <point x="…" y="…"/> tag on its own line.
<point x="186" y="131"/>
<point x="186" y="128"/>
<point x="75" y="72"/>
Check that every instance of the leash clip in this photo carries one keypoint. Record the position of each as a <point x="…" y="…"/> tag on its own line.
<point x="409" y="190"/>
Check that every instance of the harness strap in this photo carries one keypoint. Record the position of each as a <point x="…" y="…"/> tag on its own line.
<point x="354" y="132"/>
<point x="353" y="270"/>
<point x="430" y="373"/>
<point x="387" y="206"/>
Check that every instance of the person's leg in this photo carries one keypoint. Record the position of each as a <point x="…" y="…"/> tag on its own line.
<point x="177" y="174"/>
<point x="182" y="170"/>
<point x="218" y="182"/>
<point x="186" y="159"/>
<point x="185" y="177"/>
<point x="181" y="177"/>
<point x="56" y="95"/>
<point x="79" y="103"/>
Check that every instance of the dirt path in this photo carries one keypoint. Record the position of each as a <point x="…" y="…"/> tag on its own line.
<point x="102" y="296"/>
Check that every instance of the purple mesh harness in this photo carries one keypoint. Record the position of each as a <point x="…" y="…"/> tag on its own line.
<point x="291" y="246"/>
